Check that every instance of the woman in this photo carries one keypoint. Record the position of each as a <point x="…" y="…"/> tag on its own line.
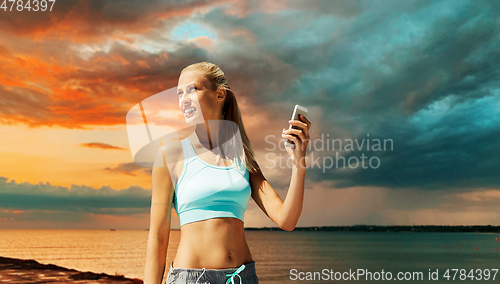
<point x="213" y="248"/>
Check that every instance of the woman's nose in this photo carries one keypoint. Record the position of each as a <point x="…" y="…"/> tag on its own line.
<point x="184" y="100"/>
<point x="185" y="103"/>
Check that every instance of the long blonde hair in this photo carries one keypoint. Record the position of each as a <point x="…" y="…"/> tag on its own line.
<point x="230" y="111"/>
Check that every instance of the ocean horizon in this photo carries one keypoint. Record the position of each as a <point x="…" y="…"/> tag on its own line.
<point x="280" y="256"/>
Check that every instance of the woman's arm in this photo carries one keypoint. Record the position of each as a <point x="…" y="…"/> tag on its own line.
<point x="159" y="229"/>
<point x="285" y="214"/>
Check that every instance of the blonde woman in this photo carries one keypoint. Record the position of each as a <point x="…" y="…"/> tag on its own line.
<point x="213" y="248"/>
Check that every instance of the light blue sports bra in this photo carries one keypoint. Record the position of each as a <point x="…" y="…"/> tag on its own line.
<point x="205" y="191"/>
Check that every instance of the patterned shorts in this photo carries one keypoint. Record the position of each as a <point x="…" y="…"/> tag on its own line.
<point x="245" y="274"/>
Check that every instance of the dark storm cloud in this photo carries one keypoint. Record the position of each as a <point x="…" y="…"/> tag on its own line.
<point x="440" y="105"/>
<point x="423" y="74"/>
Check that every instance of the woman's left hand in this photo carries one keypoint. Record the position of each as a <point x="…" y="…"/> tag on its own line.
<point x="301" y="140"/>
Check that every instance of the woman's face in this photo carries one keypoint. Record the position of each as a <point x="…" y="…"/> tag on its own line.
<point x="197" y="101"/>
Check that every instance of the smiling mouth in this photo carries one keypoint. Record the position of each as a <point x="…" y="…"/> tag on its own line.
<point x="188" y="112"/>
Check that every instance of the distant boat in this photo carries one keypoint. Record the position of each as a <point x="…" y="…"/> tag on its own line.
<point x="113" y="229"/>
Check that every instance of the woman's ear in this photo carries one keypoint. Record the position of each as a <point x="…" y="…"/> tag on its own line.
<point x="221" y="94"/>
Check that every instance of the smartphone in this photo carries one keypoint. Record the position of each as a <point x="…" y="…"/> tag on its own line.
<point x="295" y="116"/>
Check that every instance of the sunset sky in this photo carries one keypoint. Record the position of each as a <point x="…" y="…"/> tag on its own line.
<point x="424" y="74"/>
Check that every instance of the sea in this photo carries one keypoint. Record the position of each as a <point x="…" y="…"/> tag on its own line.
<point x="283" y="257"/>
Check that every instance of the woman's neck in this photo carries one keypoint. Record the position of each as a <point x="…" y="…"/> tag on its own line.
<point x="206" y="136"/>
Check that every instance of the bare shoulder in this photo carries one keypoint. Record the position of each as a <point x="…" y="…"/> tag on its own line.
<point x="170" y="153"/>
<point x="164" y="172"/>
<point x="169" y="162"/>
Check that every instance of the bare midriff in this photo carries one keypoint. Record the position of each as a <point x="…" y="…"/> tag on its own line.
<point x="216" y="243"/>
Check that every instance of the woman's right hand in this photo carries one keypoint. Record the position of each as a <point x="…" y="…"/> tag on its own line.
<point x="300" y="138"/>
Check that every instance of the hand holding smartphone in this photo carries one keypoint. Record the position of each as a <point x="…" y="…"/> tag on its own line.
<point x="295" y="116"/>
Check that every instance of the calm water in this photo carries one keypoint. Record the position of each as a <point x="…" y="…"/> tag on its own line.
<point x="275" y="253"/>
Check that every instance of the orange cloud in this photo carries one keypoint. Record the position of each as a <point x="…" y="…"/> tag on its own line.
<point x="101" y="146"/>
<point x="245" y="33"/>
<point x="129" y="169"/>
<point x="204" y="42"/>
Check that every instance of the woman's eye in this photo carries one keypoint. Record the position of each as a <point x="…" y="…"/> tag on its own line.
<point x="189" y="91"/>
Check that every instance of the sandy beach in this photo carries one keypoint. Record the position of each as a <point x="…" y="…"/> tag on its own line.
<point x="14" y="270"/>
